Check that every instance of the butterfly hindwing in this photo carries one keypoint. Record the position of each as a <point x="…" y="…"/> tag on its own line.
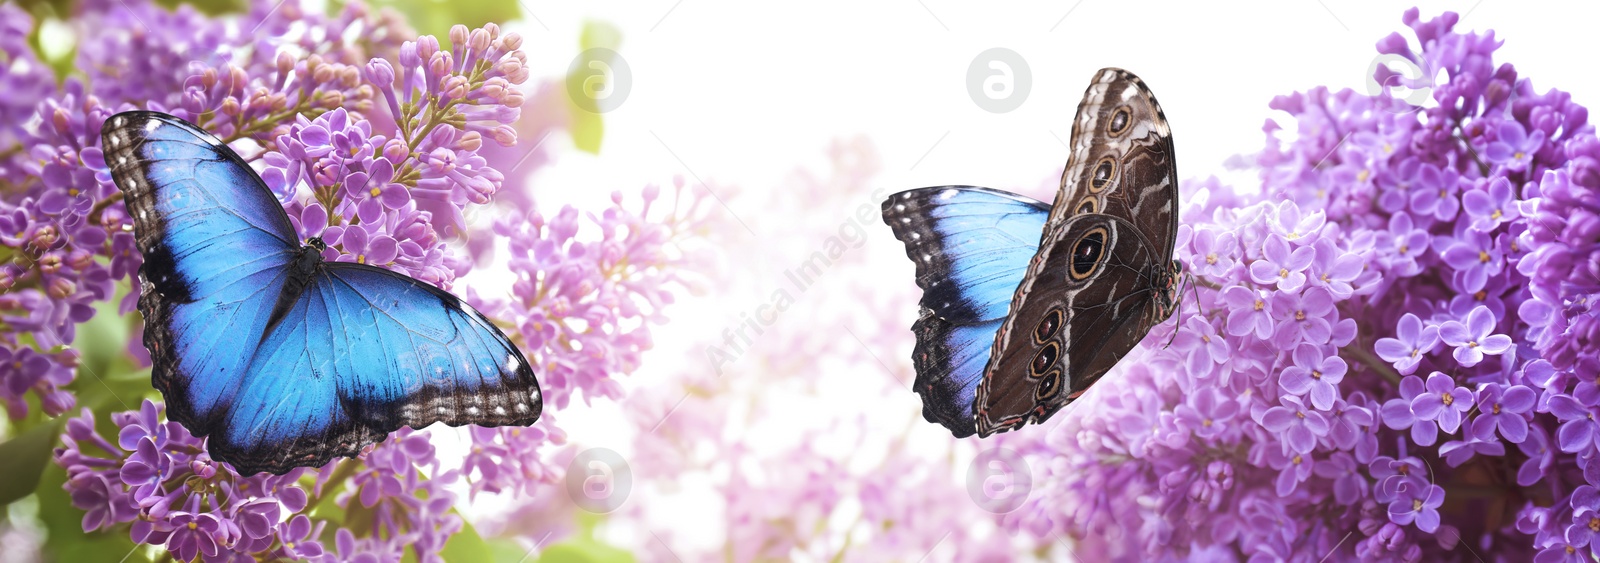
<point x="380" y="351"/>
<point x="971" y="247"/>
<point x="1084" y="305"/>
<point x="279" y="359"/>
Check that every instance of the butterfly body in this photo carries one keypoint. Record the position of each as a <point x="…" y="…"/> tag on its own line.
<point x="1011" y="329"/>
<point x="280" y="358"/>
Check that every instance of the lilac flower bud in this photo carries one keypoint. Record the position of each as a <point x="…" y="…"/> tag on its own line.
<point x="409" y="57"/>
<point x="379" y="72"/>
<point x="50" y="263"/>
<point x="470" y="141"/>
<point x="427" y="47"/>
<point x="480" y="40"/>
<point x="455" y="87"/>
<point x="57" y="401"/>
<point x="60" y="288"/>
<point x="322" y="73"/>
<point x="440" y="63"/>
<point x="458" y="35"/>
<point x="395" y="150"/>
<point x="510" y="42"/>
<point x="284" y="63"/>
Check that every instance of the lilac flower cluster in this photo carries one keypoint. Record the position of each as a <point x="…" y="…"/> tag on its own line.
<point x="1391" y="353"/>
<point x="159" y="478"/>
<point x="68" y="241"/>
<point x="584" y="307"/>
<point x="811" y="448"/>
<point x="378" y="142"/>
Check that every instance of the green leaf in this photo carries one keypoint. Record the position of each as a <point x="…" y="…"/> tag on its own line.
<point x="466" y="546"/>
<point x="584" y="550"/>
<point x="22" y="461"/>
<point x="207" y="7"/>
<point x="108" y="379"/>
<point x="599" y="34"/>
<point x="582" y="547"/>
<point x="589" y="129"/>
<point x="508" y="551"/>
<point x="435" y="17"/>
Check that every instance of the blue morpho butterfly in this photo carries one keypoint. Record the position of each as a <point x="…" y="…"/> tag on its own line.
<point x="282" y="359"/>
<point x="1011" y="329"/>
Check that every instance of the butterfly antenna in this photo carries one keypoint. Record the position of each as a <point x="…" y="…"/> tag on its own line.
<point x="1198" y="304"/>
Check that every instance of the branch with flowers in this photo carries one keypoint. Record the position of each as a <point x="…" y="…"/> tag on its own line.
<point x="376" y="141"/>
<point x="1392" y="356"/>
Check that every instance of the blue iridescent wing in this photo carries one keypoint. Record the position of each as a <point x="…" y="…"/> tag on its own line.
<point x="374" y="350"/>
<point x="215" y="245"/>
<point x="281" y="368"/>
<point x="971" y="247"/>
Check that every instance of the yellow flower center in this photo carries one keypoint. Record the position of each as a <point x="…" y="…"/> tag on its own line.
<point x="1496" y="214"/>
<point x="1517" y="156"/>
<point x="1483" y="256"/>
<point x="1259" y="304"/>
<point x="361" y="259"/>
<point x="1362" y="177"/>
<point x="1497" y="408"/>
<point x="1594" y="524"/>
<point x="1405" y="248"/>
<point x="1480" y="295"/>
<point x="1298" y="459"/>
<point x="1293" y="236"/>
<point x="72" y="192"/>
<point x="1448" y="399"/>
<point x="1416" y="504"/>
<point x="193" y="525"/>
<point x="1283" y="272"/>
<point x="1211" y="258"/>
<point x="1472" y="344"/>
<point x="1299" y="315"/>
<point x="1206" y="423"/>
<point x="375" y="192"/>
<point x="1316" y="374"/>
<point x="1300" y="414"/>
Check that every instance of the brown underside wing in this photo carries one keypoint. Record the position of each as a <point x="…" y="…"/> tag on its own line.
<point x="1103" y="274"/>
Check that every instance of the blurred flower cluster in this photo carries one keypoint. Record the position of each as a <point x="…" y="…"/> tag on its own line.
<point x="1392" y="352"/>
<point x="782" y="427"/>
<point x="374" y="139"/>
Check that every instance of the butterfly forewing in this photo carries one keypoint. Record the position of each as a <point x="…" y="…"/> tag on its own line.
<point x="1121" y="161"/>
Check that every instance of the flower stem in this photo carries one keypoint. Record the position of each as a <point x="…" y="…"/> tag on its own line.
<point x="1372" y="362"/>
<point x="347" y="467"/>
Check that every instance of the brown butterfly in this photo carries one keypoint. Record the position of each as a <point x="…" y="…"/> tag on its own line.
<point x="1024" y="305"/>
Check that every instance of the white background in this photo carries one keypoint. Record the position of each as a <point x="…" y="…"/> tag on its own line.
<point x="744" y="93"/>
